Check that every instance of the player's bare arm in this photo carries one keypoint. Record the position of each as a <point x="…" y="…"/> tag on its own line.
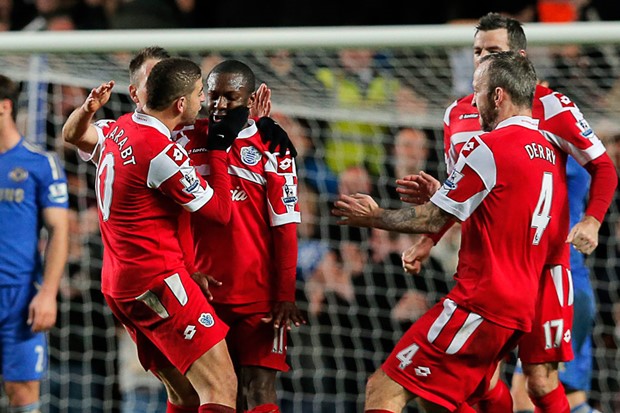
<point x="42" y="308"/>
<point x="417" y="189"/>
<point x="78" y="129"/>
<point x="361" y="210"/>
<point x="584" y="235"/>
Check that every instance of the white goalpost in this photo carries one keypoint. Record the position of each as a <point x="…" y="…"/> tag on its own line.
<point x="350" y="282"/>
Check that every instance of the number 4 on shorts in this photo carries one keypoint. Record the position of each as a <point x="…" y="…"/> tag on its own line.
<point x="406" y="354"/>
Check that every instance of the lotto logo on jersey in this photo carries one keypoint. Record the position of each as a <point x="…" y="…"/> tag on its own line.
<point x="285" y="165"/>
<point x="469" y="116"/>
<point x="469" y="147"/>
<point x="177" y="155"/>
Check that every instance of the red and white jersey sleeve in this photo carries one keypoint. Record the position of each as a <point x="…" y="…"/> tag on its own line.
<point x="143" y="180"/>
<point x="560" y="116"/>
<point x="102" y="127"/>
<point x="264" y="194"/>
<point x="509" y="189"/>
<point x="460" y="123"/>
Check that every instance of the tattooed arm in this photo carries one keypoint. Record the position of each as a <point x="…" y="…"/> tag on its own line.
<point x="361" y="210"/>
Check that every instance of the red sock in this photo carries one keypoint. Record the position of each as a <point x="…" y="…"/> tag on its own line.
<point x="172" y="408"/>
<point x="554" y="402"/>
<point x="265" y="408"/>
<point x="215" y="408"/>
<point x="497" y="400"/>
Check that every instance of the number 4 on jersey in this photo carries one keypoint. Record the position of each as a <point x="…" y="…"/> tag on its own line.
<point x="541" y="217"/>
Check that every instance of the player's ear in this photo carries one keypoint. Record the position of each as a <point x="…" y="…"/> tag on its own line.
<point x="133" y="94"/>
<point x="181" y="104"/>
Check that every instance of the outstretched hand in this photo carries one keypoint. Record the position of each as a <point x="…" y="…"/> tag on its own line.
<point x="417" y="189"/>
<point x="285" y="314"/>
<point x="98" y="97"/>
<point x="262" y="102"/>
<point x="357" y="210"/>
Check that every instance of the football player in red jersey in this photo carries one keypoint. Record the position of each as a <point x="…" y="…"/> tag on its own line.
<point x="144" y="181"/>
<point x="254" y="257"/>
<point x="503" y="258"/>
<point x="559" y="115"/>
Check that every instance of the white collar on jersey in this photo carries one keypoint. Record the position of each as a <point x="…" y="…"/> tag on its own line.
<point x="248" y="132"/>
<point x="148" y="120"/>
<point x="525" y="121"/>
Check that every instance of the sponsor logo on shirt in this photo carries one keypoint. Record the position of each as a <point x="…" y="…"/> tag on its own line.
<point x="206" y="319"/>
<point x="18" y="174"/>
<point x="422" y="371"/>
<point x="238" y="194"/>
<point x="198" y="150"/>
<point x="469" y="147"/>
<point x="285" y="165"/>
<point x="584" y="127"/>
<point x="58" y="193"/>
<point x="190" y="181"/>
<point x="290" y="196"/>
<point x="453" y="180"/>
<point x="176" y="154"/>
<point x="250" y="155"/>
<point x="469" y="116"/>
<point x="189" y="332"/>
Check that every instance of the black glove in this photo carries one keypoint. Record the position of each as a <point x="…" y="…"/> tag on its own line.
<point x="222" y="134"/>
<point x="272" y="132"/>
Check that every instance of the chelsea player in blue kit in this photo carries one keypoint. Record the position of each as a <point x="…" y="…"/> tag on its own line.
<point x="33" y="195"/>
<point x="576" y="375"/>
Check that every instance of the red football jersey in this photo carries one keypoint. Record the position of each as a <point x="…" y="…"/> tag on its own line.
<point x="508" y="187"/>
<point x="555" y="112"/>
<point x="264" y="195"/>
<point x="143" y="182"/>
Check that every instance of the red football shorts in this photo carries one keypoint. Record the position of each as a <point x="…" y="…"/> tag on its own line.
<point x="252" y="342"/>
<point x="550" y="338"/>
<point x="449" y="355"/>
<point x="172" y="324"/>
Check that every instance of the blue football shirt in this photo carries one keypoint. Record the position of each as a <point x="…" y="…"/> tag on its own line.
<point x="30" y="181"/>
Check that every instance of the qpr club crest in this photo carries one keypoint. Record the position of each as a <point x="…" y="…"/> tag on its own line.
<point x="206" y="319"/>
<point x="250" y="155"/>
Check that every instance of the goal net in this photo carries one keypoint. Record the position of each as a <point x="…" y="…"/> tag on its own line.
<point x="363" y="106"/>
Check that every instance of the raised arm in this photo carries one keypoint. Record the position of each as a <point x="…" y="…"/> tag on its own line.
<point x="78" y="130"/>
